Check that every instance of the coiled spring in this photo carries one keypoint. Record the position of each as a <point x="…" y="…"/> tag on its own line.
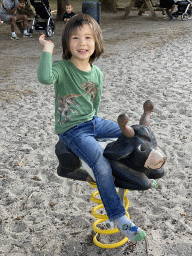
<point x="103" y="218"/>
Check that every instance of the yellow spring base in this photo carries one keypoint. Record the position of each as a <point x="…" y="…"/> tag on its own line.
<point x="103" y="218"/>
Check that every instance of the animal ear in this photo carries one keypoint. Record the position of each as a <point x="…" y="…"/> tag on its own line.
<point x="126" y="130"/>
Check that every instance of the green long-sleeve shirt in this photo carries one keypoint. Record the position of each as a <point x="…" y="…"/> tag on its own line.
<point x="77" y="93"/>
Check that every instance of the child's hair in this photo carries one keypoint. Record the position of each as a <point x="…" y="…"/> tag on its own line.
<point x="78" y="21"/>
<point x="67" y="4"/>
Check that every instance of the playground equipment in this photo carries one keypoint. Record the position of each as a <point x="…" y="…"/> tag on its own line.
<point x="103" y="218"/>
<point x="135" y="160"/>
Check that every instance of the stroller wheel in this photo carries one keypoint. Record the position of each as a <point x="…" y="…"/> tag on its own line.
<point x="48" y="31"/>
<point x="184" y="16"/>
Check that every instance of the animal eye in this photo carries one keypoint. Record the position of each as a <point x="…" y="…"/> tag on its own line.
<point x="141" y="148"/>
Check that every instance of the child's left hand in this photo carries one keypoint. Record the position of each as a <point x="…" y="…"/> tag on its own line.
<point x="48" y="46"/>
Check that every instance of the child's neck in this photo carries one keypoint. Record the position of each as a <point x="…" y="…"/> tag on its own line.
<point x="81" y="64"/>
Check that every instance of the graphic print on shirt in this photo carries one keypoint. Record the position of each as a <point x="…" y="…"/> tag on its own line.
<point x="64" y="106"/>
<point x="90" y="87"/>
<point x="66" y="103"/>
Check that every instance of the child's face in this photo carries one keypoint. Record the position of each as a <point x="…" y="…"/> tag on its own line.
<point x="69" y="8"/>
<point x="82" y="43"/>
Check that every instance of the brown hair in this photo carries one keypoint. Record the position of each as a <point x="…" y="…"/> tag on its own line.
<point x="67" y="4"/>
<point x="78" y="21"/>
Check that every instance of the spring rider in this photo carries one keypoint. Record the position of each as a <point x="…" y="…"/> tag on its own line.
<point x="135" y="159"/>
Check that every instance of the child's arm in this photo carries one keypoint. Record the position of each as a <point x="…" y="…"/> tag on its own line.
<point x="48" y="46"/>
<point x="45" y="72"/>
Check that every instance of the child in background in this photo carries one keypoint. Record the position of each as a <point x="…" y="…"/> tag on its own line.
<point x="78" y="85"/>
<point x="68" y="14"/>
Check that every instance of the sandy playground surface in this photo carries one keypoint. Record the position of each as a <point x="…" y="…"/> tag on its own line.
<point x="43" y="214"/>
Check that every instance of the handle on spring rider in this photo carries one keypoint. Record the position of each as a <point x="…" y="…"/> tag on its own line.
<point x="145" y="119"/>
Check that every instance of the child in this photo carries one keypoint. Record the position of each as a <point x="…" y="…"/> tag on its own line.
<point x="78" y="85"/>
<point x="68" y="14"/>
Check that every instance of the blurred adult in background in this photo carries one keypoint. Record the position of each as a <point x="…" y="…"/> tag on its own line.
<point x="8" y="13"/>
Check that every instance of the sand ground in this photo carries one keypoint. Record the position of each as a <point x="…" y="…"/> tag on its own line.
<point x="43" y="214"/>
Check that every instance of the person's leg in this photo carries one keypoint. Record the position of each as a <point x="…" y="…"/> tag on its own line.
<point x="82" y="142"/>
<point x="12" y="20"/>
<point x="25" y="24"/>
<point x="106" y="128"/>
<point x="23" y="17"/>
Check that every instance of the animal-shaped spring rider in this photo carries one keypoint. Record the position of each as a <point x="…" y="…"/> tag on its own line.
<point x="135" y="159"/>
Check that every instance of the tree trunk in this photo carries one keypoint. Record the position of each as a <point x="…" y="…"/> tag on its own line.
<point x="60" y="9"/>
<point x="108" y="5"/>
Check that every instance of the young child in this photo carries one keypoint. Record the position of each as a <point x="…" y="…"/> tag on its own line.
<point x="68" y="14"/>
<point x="78" y="85"/>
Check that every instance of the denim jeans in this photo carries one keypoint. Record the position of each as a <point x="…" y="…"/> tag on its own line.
<point x="81" y="139"/>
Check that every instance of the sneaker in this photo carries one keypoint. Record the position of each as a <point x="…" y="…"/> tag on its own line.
<point x="14" y="37"/>
<point x="145" y="14"/>
<point x="27" y="35"/>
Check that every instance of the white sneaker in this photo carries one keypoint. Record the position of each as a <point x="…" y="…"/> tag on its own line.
<point x="27" y="35"/>
<point x="14" y="37"/>
<point x="145" y="14"/>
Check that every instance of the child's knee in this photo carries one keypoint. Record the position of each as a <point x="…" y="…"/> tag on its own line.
<point x="103" y="167"/>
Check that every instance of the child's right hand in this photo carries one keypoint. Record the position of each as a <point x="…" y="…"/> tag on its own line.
<point x="48" y="46"/>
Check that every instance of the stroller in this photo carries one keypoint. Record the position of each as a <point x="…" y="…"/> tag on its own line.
<point x="184" y="9"/>
<point x="43" y="19"/>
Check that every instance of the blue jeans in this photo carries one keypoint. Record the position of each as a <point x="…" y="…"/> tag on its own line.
<point x="81" y="139"/>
